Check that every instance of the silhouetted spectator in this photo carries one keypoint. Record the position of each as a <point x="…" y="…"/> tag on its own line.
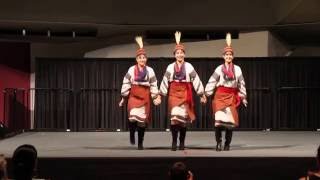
<point x="179" y="171"/>
<point x="313" y="175"/>
<point x="24" y="161"/>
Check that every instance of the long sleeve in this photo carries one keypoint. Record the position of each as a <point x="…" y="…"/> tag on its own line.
<point x="242" y="86"/>
<point x="165" y="83"/>
<point x="153" y="84"/>
<point x="211" y="85"/>
<point x="126" y="85"/>
<point x="196" y="82"/>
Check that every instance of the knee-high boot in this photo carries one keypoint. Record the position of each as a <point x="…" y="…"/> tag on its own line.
<point x="132" y="130"/>
<point x="228" y="137"/>
<point x="183" y="132"/>
<point x="141" y="131"/>
<point x="218" y="133"/>
<point x="174" y="133"/>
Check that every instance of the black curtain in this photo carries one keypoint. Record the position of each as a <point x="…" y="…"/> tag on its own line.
<point x="83" y="94"/>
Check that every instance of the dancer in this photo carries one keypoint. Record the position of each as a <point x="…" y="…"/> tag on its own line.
<point x="138" y="85"/>
<point x="230" y="90"/>
<point x="179" y="78"/>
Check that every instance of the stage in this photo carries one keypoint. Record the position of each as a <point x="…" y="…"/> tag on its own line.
<point x="106" y="155"/>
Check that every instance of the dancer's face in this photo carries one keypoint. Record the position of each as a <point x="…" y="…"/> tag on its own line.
<point x="141" y="60"/>
<point x="228" y="57"/>
<point x="179" y="55"/>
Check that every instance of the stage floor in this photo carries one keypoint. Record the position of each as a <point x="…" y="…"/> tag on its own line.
<point x="157" y="144"/>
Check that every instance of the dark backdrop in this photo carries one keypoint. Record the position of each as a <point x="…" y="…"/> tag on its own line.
<point x="83" y="94"/>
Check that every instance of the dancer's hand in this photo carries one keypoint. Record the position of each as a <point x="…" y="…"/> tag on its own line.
<point x="121" y="102"/>
<point x="245" y="102"/>
<point x="157" y="100"/>
<point x="203" y="99"/>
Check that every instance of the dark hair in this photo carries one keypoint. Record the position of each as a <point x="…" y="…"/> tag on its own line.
<point x="224" y="53"/>
<point x="174" y="52"/>
<point x="24" y="161"/>
<point x="178" y="171"/>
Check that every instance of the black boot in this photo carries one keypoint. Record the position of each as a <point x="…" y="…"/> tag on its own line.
<point x="183" y="132"/>
<point x="132" y="129"/>
<point x="174" y="133"/>
<point x="228" y="137"/>
<point x="141" y="131"/>
<point x="218" y="133"/>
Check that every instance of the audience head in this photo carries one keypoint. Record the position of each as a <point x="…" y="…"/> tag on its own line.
<point x="24" y="161"/>
<point x="179" y="171"/>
